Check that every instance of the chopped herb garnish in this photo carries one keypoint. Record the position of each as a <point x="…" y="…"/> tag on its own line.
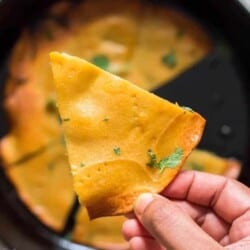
<point x="105" y="119"/>
<point x="82" y="165"/>
<point x="65" y="119"/>
<point x="170" y="161"/>
<point x="187" y="108"/>
<point x="117" y="151"/>
<point x="170" y="59"/>
<point x="153" y="161"/>
<point x="101" y="61"/>
<point x="196" y="166"/>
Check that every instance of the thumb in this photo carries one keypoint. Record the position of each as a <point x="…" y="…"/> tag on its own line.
<point x="168" y="224"/>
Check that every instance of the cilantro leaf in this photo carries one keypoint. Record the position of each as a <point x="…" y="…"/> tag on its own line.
<point x="101" y="61"/>
<point x="117" y="151"/>
<point x="153" y="161"/>
<point x="172" y="160"/>
<point x="82" y="164"/>
<point x="170" y="59"/>
<point x="66" y="119"/>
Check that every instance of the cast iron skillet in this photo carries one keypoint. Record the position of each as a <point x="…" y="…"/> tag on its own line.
<point x="222" y="96"/>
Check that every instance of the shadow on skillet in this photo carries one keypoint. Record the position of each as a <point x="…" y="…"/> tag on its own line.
<point x="221" y="78"/>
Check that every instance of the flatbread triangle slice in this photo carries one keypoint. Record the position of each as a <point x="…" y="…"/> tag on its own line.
<point x="121" y="140"/>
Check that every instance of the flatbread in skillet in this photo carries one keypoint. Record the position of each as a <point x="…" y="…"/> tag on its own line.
<point x="44" y="184"/>
<point x="33" y="126"/>
<point x="102" y="233"/>
<point x="121" y="140"/>
<point x="203" y="160"/>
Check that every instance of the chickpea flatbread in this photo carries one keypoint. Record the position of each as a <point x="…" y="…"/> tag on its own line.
<point x="102" y="233"/>
<point x="121" y="140"/>
<point x="203" y="160"/>
<point x="44" y="184"/>
<point x="33" y="127"/>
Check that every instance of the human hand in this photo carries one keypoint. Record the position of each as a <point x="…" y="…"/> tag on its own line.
<point x="202" y="212"/>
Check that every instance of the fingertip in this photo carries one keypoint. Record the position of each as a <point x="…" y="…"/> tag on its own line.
<point x="233" y="169"/>
<point x="142" y="202"/>
<point x="144" y="243"/>
<point x="126" y="229"/>
<point x="132" y="228"/>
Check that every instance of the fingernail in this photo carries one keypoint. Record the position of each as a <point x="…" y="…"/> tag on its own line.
<point x="142" y="202"/>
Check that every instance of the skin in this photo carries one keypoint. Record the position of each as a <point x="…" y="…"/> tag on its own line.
<point x="196" y="211"/>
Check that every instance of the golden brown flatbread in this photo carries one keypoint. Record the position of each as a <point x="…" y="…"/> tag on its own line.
<point x="44" y="183"/>
<point x="203" y="160"/>
<point x="102" y="233"/>
<point x="34" y="127"/>
<point x="114" y="131"/>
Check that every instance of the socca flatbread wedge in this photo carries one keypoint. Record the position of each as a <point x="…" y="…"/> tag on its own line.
<point x="207" y="161"/>
<point x="33" y="126"/>
<point x="44" y="184"/>
<point x="121" y="140"/>
<point x="102" y="233"/>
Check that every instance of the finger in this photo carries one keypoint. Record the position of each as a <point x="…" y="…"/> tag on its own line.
<point x="207" y="220"/>
<point x="172" y="227"/>
<point x="233" y="169"/>
<point x="225" y="241"/>
<point x="143" y="243"/>
<point x="240" y="228"/>
<point x="240" y="245"/>
<point x="216" y="227"/>
<point x="132" y="228"/>
<point x="209" y="190"/>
